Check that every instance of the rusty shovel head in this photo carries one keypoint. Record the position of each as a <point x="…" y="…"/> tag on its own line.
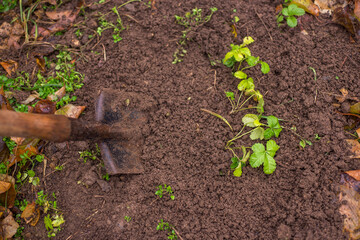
<point x="122" y="109"/>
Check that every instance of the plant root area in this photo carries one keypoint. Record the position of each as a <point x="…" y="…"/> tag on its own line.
<point x="184" y="147"/>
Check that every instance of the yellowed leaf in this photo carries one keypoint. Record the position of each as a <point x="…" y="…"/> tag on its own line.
<point x="28" y="146"/>
<point x="70" y="111"/>
<point x="308" y="6"/>
<point x="41" y="64"/>
<point x="57" y="95"/>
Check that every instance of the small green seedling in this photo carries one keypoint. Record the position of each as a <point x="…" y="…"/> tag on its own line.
<point x="117" y="27"/>
<point x="317" y="137"/>
<point x="106" y="177"/>
<point x="191" y="21"/>
<point x="165" y="189"/>
<point x="127" y="218"/>
<point x="165" y="226"/>
<point x="89" y="155"/>
<point x="304" y="142"/>
<point x="289" y="12"/>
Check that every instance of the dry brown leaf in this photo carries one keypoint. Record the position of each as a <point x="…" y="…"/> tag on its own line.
<point x="8" y="198"/>
<point x="345" y="17"/>
<point x="45" y="107"/>
<point x="9" y="226"/>
<point x="357" y="9"/>
<point x="55" y="15"/>
<point x="28" y="146"/>
<point x="350" y="207"/>
<point x="355" y="147"/>
<point x="17" y="140"/>
<point x="4" y="151"/>
<point x="344" y="93"/>
<point x="358" y="132"/>
<point x="10" y="66"/>
<point x="5" y="30"/>
<point x="4" y="186"/>
<point x="31" y="98"/>
<point x="70" y="111"/>
<point x="31" y="214"/>
<point x="41" y="64"/>
<point x="16" y="33"/>
<point x="57" y="95"/>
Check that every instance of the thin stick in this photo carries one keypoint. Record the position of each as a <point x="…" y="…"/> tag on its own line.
<point x="177" y="233"/>
<point x="214" y="79"/>
<point x="104" y="52"/>
<point x="342" y="64"/>
<point x="264" y="25"/>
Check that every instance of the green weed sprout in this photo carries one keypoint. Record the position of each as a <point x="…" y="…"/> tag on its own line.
<point x="165" y="189"/>
<point x="191" y="20"/>
<point x="289" y="12"/>
<point x="6" y="5"/>
<point x="165" y="226"/>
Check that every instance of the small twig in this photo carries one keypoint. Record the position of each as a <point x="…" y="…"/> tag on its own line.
<point x="264" y="25"/>
<point x="104" y="52"/>
<point x="214" y="79"/>
<point x="132" y="18"/>
<point x="177" y="233"/>
<point x="342" y="64"/>
<point x="355" y="63"/>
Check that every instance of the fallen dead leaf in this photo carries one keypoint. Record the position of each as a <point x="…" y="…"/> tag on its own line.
<point x="31" y="98"/>
<point x="41" y="64"/>
<point x="28" y="146"/>
<point x="31" y="214"/>
<point x="45" y="107"/>
<point x="355" y="147"/>
<point x="4" y="151"/>
<point x="7" y="198"/>
<point x="349" y="200"/>
<point x="10" y="66"/>
<point x="57" y="95"/>
<point x="355" y="108"/>
<point x="357" y="9"/>
<point x="4" y="186"/>
<point x="344" y="16"/>
<point x="308" y="6"/>
<point x="358" y="133"/>
<point x="344" y="93"/>
<point x="327" y="6"/>
<point x="56" y="15"/>
<point x="9" y="226"/>
<point x="70" y="111"/>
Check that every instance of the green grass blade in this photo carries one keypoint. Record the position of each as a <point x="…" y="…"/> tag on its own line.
<point x="218" y="116"/>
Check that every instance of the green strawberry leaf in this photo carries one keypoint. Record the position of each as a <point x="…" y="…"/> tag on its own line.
<point x="258" y="155"/>
<point x="245" y="51"/>
<point x="230" y="95"/>
<point x="257" y="133"/>
<point x="264" y="67"/>
<point x="271" y="147"/>
<point x="291" y="21"/>
<point x="294" y="10"/>
<point x="246" y="84"/>
<point x="252" y="61"/>
<point x="285" y="11"/>
<point x="261" y="156"/>
<point x="235" y="162"/>
<point x="240" y="75"/>
<point x="228" y="56"/>
<point x="238" y="55"/>
<point x="274" y="127"/>
<point x="238" y="171"/>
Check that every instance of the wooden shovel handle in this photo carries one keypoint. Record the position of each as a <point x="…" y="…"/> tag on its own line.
<point x="57" y="128"/>
<point x="54" y="128"/>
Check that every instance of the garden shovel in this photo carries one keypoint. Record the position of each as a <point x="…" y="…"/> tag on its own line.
<point x="118" y="124"/>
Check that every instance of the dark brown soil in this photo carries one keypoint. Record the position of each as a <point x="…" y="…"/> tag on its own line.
<point x="184" y="146"/>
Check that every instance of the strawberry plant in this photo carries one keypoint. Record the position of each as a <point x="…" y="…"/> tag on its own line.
<point x="235" y="59"/>
<point x="289" y="12"/>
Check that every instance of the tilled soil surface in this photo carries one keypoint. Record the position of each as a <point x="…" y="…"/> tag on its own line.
<point x="184" y="146"/>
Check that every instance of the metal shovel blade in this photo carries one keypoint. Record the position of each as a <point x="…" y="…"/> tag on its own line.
<point x="123" y="109"/>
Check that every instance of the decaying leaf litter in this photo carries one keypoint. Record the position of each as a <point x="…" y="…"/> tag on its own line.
<point x="77" y="53"/>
